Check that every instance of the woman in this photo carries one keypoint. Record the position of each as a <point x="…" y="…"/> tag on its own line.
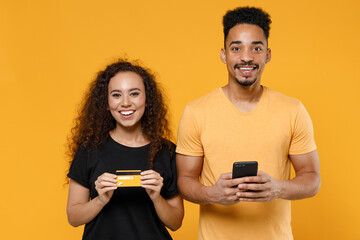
<point x="123" y="126"/>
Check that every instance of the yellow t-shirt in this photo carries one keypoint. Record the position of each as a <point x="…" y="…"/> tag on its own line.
<point x="212" y="127"/>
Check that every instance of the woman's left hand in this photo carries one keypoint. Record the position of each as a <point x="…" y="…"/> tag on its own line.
<point x="152" y="182"/>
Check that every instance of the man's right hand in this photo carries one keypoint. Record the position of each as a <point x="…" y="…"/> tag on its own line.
<point x="224" y="192"/>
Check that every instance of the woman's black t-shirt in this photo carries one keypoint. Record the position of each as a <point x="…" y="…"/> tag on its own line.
<point x="130" y="213"/>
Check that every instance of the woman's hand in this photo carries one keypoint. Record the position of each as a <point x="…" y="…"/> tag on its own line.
<point x="170" y="210"/>
<point x="105" y="186"/>
<point x="152" y="182"/>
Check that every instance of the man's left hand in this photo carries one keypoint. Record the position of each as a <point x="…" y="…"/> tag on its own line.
<point x="260" y="188"/>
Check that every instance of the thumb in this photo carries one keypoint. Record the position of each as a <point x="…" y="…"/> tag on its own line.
<point x="226" y="176"/>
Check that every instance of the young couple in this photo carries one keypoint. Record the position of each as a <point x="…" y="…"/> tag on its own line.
<point x="123" y="125"/>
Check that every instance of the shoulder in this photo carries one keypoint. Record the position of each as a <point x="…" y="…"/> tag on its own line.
<point x="281" y="100"/>
<point x="166" y="153"/>
<point x="87" y="152"/>
<point x="168" y="146"/>
<point x="165" y="157"/>
<point x="82" y="151"/>
<point x="281" y="97"/>
<point x="205" y="100"/>
<point x="198" y="108"/>
<point x="288" y="107"/>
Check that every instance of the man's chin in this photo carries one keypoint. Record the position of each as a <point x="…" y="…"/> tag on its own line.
<point x="246" y="83"/>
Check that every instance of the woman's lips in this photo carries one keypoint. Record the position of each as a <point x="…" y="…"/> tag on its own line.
<point x="126" y="113"/>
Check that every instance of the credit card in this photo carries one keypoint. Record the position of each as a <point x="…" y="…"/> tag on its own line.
<point x="128" y="178"/>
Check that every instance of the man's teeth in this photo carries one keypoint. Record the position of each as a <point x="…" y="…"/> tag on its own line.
<point x="127" y="113"/>
<point x="246" y="68"/>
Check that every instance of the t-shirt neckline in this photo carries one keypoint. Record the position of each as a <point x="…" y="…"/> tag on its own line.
<point x="128" y="147"/>
<point x="252" y="112"/>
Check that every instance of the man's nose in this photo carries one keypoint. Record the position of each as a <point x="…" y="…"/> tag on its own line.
<point x="246" y="55"/>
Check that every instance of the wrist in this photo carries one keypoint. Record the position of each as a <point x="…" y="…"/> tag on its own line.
<point x="98" y="202"/>
<point x="279" y="190"/>
<point x="208" y="193"/>
<point x="157" y="200"/>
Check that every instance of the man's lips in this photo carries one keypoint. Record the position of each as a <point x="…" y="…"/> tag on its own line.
<point x="246" y="67"/>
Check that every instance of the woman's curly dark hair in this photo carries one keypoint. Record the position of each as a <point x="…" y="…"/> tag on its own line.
<point x="94" y="121"/>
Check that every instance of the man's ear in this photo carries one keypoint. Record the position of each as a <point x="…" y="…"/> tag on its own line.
<point x="268" y="55"/>
<point x="223" y="55"/>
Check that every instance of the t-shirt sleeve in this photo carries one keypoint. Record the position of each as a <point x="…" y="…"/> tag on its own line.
<point x="170" y="182"/>
<point x="78" y="169"/>
<point x="303" y="133"/>
<point x="189" y="135"/>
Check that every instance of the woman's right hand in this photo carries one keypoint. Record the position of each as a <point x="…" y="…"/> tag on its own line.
<point x="105" y="186"/>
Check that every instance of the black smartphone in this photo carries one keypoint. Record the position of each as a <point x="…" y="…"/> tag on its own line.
<point x="244" y="169"/>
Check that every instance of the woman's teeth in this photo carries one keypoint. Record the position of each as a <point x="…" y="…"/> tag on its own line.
<point x="126" y="113"/>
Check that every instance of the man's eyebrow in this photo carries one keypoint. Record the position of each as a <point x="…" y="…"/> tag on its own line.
<point x="257" y="42"/>
<point x="235" y="42"/>
<point x="239" y="42"/>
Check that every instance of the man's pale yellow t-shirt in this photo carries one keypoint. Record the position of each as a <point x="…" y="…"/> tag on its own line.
<point x="277" y="127"/>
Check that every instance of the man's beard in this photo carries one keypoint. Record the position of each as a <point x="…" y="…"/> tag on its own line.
<point x="246" y="82"/>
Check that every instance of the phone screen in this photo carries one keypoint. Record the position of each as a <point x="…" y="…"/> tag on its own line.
<point x="244" y="169"/>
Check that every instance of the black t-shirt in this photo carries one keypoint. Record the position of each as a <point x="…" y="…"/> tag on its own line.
<point x="130" y="213"/>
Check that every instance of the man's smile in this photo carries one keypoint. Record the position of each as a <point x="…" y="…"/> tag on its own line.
<point x="246" y="67"/>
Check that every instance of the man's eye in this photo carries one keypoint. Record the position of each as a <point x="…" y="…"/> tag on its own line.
<point x="235" y="49"/>
<point x="257" y="49"/>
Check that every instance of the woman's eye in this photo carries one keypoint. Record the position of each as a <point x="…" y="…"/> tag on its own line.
<point x="134" y="94"/>
<point x="116" y="95"/>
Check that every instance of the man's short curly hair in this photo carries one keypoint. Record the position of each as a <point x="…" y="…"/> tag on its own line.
<point x="247" y="15"/>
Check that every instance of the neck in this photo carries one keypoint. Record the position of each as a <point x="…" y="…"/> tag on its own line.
<point x="131" y="137"/>
<point x="240" y="94"/>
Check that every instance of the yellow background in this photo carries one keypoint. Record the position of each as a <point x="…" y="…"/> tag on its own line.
<point x="51" y="50"/>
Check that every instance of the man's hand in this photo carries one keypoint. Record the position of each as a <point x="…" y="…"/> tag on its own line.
<point x="260" y="188"/>
<point x="224" y="192"/>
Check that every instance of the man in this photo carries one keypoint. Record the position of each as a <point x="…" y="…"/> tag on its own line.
<point x="245" y="121"/>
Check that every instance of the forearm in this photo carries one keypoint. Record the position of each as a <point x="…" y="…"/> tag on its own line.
<point x="170" y="215"/>
<point x="193" y="191"/>
<point x="302" y="186"/>
<point x="189" y="170"/>
<point x="307" y="181"/>
<point x="82" y="213"/>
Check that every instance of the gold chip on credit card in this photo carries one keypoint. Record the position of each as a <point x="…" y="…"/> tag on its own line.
<point x="128" y="178"/>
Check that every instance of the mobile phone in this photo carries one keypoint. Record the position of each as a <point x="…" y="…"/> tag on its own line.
<point x="244" y="169"/>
